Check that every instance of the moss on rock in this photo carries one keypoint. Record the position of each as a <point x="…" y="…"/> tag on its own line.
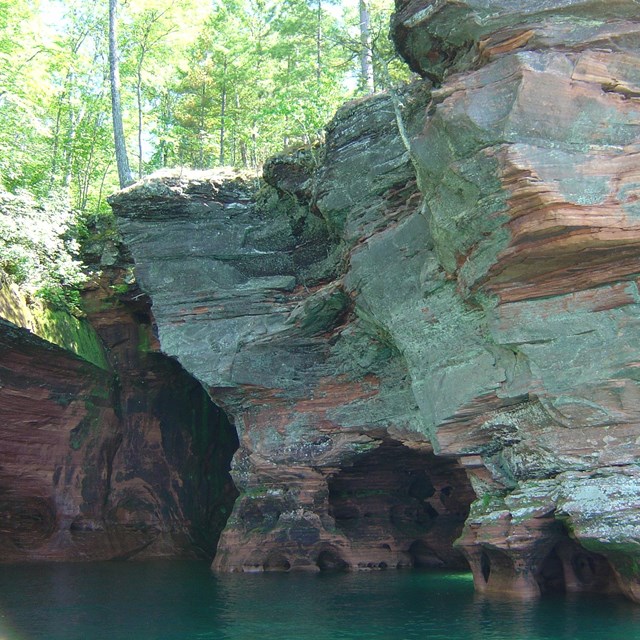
<point x="57" y="327"/>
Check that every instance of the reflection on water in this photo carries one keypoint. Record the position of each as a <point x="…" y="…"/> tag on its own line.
<point x="184" y="601"/>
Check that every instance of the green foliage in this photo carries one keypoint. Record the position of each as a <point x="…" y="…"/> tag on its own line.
<point x="38" y="247"/>
<point x="120" y="289"/>
<point x="24" y="92"/>
<point x="259" y="77"/>
<point x="230" y="82"/>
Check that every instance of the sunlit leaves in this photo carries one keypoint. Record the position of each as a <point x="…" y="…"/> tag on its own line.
<point x="203" y="83"/>
<point x="37" y="243"/>
<point x="233" y="82"/>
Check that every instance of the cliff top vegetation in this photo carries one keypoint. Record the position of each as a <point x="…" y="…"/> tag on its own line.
<point x="202" y="84"/>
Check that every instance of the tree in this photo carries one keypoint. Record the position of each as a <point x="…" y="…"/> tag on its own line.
<point x="150" y="28"/>
<point x="366" y="62"/>
<point x="25" y="90"/>
<point x="365" y="38"/>
<point x="235" y="83"/>
<point x="122" y="160"/>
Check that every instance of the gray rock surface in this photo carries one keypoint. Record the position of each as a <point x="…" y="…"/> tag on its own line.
<point x="474" y="294"/>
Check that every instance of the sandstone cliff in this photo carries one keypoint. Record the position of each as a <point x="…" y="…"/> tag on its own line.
<point x="104" y="443"/>
<point x="425" y="333"/>
<point x="401" y="332"/>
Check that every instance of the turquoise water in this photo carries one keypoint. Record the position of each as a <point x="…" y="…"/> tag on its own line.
<point x="184" y="601"/>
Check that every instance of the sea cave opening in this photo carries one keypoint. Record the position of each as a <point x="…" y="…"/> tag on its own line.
<point x="199" y="441"/>
<point x="569" y="567"/>
<point x="401" y="507"/>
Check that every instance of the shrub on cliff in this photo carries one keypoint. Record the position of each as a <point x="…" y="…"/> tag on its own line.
<point x="38" y="249"/>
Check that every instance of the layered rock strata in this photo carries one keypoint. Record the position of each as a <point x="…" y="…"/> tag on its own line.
<point x="462" y="282"/>
<point x="527" y="166"/>
<point x="107" y="449"/>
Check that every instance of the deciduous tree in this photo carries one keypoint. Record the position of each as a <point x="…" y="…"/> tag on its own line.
<point x="122" y="160"/>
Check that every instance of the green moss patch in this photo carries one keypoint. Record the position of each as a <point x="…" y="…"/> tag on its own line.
<point x="57" y="327"/>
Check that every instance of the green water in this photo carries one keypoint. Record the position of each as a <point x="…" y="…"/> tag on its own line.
<point x="184" y="601"/>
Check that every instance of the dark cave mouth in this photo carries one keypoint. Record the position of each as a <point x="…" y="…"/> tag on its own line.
<point x="566" y="567"/>
<point x="209" y="491"/>
<point x="392" y="507"/>
<point x="400" y="507"/>
<point x="199" y="441"/>
<point x="570" y="568"/>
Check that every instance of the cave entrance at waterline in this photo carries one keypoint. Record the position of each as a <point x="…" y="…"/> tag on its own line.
<point x="557" y="565"/>
<point x="401" y="507"/>
<point x="571" y="568"/>
<point x="200" y="440"/>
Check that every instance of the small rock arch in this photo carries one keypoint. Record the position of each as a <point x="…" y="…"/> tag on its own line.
<point x="330" y="559"/>
<point x="276" y="562"/>
<point x="423" y="556"/>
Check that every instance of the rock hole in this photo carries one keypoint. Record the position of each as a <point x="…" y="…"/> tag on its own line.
<point x="276" y="562"/>
<point x="406" y="495"/>
<point x="330" y="560"/>
<point x="423" y="557"/>
<point x="550" y="577"/>
<point x="485" y="566"/>
<point x="592" y="572"/>
<point x="584" y="566"/>
<point x="422" y="488"/>
<point x="584" y="570"/>
<point x="430" y="511"/>
<point x="346" y="511"/>
<point x="27" y="521"/>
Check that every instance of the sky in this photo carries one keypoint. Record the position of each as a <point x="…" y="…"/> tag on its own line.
<point x="52" y="14"/>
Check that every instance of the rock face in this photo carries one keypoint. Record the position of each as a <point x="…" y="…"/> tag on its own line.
<point x="527" y="166"/>
<point x="399" y="330"/>
<point x="107" y="449"/>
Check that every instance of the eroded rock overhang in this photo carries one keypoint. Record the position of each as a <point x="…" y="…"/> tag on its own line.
<point x="476" y="293"/>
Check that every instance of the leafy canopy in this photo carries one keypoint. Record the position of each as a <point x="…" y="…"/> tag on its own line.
<point x="226" y="83"/>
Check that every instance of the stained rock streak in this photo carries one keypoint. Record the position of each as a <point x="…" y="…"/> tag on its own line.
<point x="107" y="448"/>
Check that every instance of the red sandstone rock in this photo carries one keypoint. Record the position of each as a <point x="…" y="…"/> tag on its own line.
<point x="473" y="293"/>
<point x="95" y="467"/>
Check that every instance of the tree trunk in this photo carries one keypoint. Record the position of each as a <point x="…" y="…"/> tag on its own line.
<point x="201" y="132"/>
<point x="84" y="178"/>
<point x="290" y="67"/>
<point x="122" y="161"/>
<point x="223" y="109"/>
<point x="139" y="104"/>
<point x="74" y="120"/>
<point x="244" y="154"/>
<point x="242" y="143"/>
<point x="66" y="94"/>
<point x="254" y="145"/>
<point x="56" y="142"/>
<point x="104" y="177"/>
<point x="366" y="63"/>
<point x="319" y="43"/>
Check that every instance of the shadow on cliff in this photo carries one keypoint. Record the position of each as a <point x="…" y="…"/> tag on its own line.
<point x="125" y="460"/>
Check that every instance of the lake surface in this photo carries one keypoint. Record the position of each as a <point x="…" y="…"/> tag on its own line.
<point x="185" y="601"/>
